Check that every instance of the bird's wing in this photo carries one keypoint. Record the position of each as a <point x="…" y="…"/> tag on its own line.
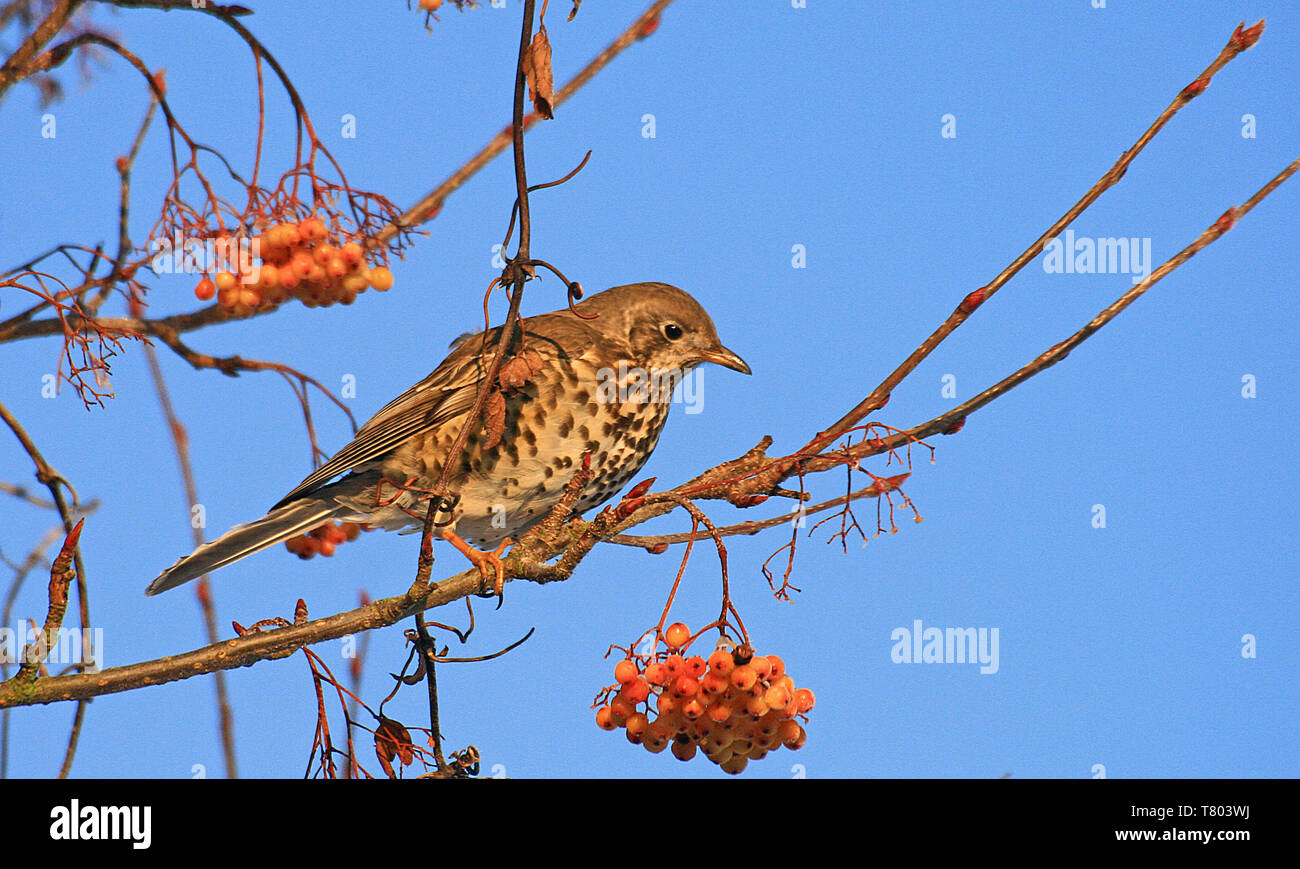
<point x="447" y="393"/>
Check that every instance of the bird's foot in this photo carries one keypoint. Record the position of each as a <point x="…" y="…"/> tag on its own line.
<point x="488" y="563"/>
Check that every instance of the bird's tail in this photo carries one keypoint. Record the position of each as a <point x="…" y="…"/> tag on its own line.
<point x="280" y="524"/>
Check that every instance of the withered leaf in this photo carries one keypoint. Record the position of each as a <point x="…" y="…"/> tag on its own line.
<point x="514" y="373"/>
<point x="541" y="81"/>
<point x="518" y="370"/>
<point x="494" y="419"/>
<point x="393" y="740"/>
<point x="533" y="358"/>
<point x="384" y="761"/>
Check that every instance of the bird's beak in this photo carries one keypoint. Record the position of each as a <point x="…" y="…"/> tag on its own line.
<point x="726" y="358"/>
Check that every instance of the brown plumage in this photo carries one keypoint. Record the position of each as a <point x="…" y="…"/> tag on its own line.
<point x="603" y="388"/>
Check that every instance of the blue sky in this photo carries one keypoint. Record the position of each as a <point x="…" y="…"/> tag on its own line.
<point x="1120" y="647"/>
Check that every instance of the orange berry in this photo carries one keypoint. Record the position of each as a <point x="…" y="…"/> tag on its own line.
<point x="635" y="691"/>
<point x="693" y="709"/>
<point x="656" y="673"/>
<point x="777" y="665"/>
<point x="666" y="704"/>
<point x="381" y="278"/>
<point x="312" y="229"/>
<point x="621" y="709"/>
<point x="756" y="705"/>
<point x="722" y="756"/>
<point x="805" y="699"/>
<point x="225" y="281"/>
<point x="274" y="255"/>
<point x="335" y="267"/>
<point x="721" y="662"/>
<point x="683" y="750"/>
<point x="605" y="718"/>
<point x="205" y="289"/>
<point x="719" y="712"/>
<point x="302" y="264"/>
<point x="685" y="686"/>
<point x="352" y="253"/>
<point x="327" y="547"/>
<point x="675" y="666"/>
<point x="324" y="252"/>
<point x="712" y="684"/>
<point x="744" y="677"/>
<point x="777" y="697"/>
<point x="788" y="731"/>
<point x="268" y="278"/>
<point x="736" y="765"/>
<point x="695" y="666"/>
<point x="285" y="275"/>
<point x="355" y="283"/>
<point x="677" y="635"/>
<point x="625" y="671"/>
<point x="762" y="668"/>
<point x="636" y="727"/>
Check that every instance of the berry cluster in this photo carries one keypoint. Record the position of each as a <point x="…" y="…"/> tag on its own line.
<point x="299" y="260"/>
<point x="735" y="707"/>
<point x="323" y="539"/>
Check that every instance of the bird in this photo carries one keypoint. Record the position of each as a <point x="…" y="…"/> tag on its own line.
<point x="591" y="381"/>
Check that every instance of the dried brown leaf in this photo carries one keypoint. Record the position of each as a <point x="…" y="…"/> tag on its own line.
<point x="541" y="81"/>
<point x="534" y="360"/>
<point x="494" y="419"/>
<point x="393" y="740"/>
<point x="515" y="372"/>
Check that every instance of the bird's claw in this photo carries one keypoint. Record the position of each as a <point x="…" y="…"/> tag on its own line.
<point x="488" y="563"/>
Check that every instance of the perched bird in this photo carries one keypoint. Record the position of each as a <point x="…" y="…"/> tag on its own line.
<point x="595" y="382"/>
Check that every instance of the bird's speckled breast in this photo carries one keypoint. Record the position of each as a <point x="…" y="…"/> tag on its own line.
<point x="550" y="423"/>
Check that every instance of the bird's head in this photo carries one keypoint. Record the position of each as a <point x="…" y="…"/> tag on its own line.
<point x="665" y="328"/>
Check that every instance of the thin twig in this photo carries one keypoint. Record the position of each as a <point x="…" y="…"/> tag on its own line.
<point x="429" y="206"/>
<point x="1240" y="41"/>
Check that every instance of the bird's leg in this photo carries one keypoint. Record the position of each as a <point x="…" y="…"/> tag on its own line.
<point x="484" y="561"/>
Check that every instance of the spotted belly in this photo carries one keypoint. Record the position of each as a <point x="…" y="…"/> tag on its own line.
<point x="506" y="490"/>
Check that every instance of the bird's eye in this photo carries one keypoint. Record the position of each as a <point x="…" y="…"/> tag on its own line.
<point x="672" y="331"/>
